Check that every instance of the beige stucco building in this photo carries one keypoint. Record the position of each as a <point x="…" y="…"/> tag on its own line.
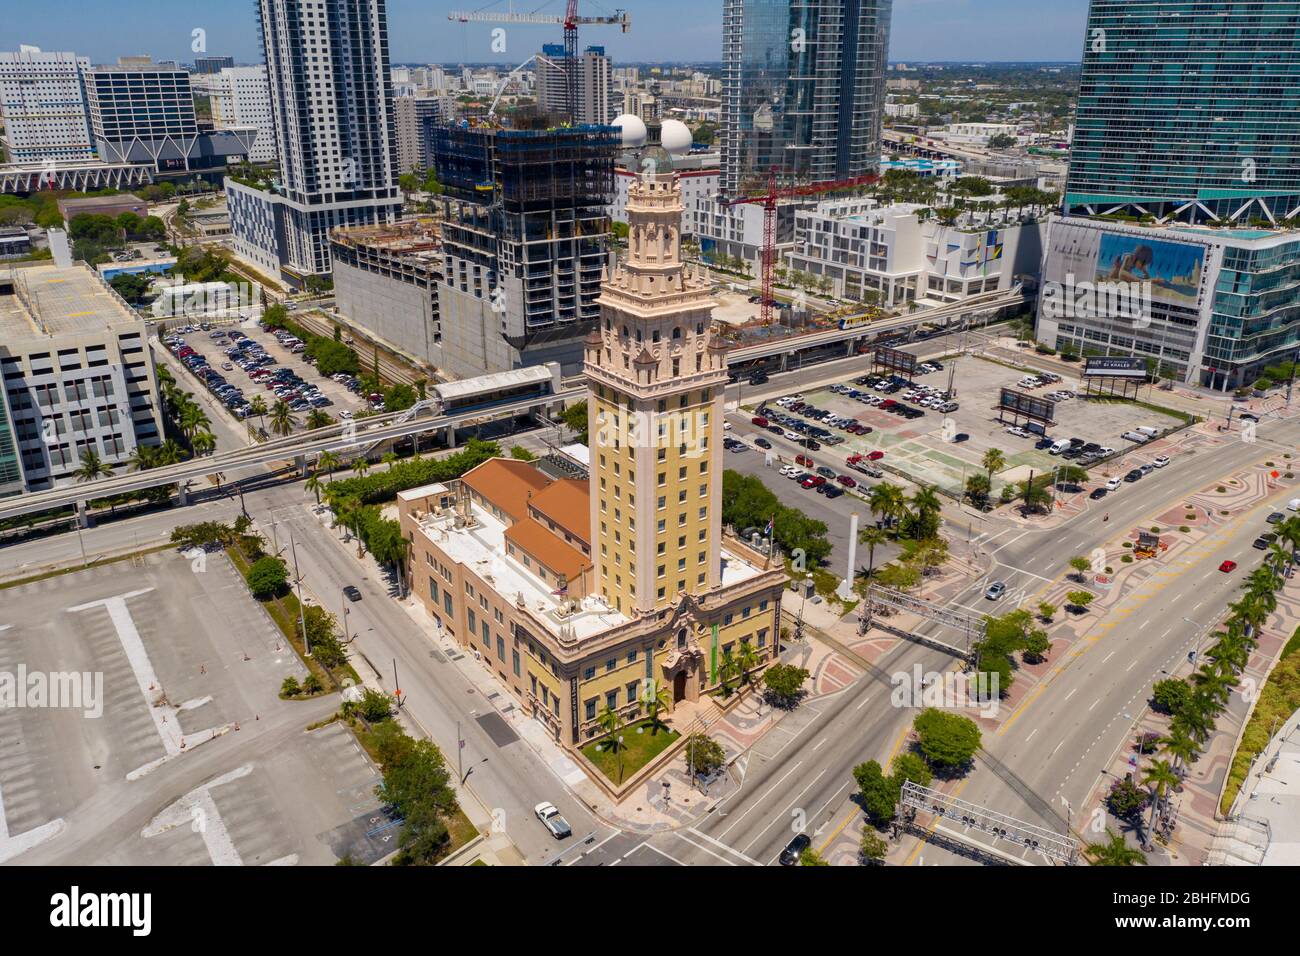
<point x="586" y="594"/>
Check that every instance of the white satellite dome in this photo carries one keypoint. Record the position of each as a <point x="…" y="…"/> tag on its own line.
<point x="676" y="137"/>
<point x="634" y="131"/>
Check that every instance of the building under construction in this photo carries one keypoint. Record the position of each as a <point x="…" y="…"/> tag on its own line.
<point x="525" y="240"/>
<point x="386" y="284"/>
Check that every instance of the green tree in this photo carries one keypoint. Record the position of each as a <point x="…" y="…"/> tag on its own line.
<point x="1171" y="696"/>
<point x="877" y="793"/>
<point x="704" y="755"/>
<point x="1080" y="599"/>
<point x="289" y="687"/>
<point x="949" y="741"/>
<point x="872" y="848"/>
<point x="1081" y="566"/>
<point x="783" y="685"/>
<point x="267" y="577"/>
<point x="1115" y="852"/>
<point x="655" y="698"/>
<point x="909" y="766"/>
<point x="810" y="857"/>
<point x="282" y="419"/>
<point x="92" y="466"/>
<point x="1046" y="611"/>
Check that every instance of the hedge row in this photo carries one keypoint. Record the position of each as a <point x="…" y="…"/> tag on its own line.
<point x="412" y="473"/>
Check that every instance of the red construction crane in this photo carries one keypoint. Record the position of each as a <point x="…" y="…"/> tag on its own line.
<point x="768" y="201"/>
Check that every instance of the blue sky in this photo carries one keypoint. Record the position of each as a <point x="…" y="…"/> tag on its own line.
<point x="420" y="32"/>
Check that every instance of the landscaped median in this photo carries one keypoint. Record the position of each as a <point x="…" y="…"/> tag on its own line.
<point x="1278" y="699"/>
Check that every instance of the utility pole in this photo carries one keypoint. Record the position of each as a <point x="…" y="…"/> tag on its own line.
<point x="302" y="613"/>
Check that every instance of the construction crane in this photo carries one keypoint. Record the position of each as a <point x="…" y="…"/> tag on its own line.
<point x="569" y="21"/>
<point x="768" y="201"/>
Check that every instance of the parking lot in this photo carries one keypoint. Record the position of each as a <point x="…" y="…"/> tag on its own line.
<point x="236" y="364"/>
<point x="187" y="755"/>
<point x="930" y="441"/>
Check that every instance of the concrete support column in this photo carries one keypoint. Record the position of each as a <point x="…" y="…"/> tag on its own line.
<point x="182" y="495"/>
<point x="301" y="464"/>
<point x="83" y="519"/>
<point x="849" y="346"/>
<point x="449" y="436"/>
<point x="785" y="361"/>
<point x="845" y="590"/>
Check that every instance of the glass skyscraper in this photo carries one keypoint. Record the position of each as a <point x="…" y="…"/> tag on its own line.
<point x="803" y="89"/>
<point x="1189" y="110"/>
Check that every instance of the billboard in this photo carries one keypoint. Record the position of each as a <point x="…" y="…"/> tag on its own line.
<point x="896" y="359"/>
<point x="1029" y="406"/>
<point x="1115" y="366"/>
<point x="1172" y="268"/>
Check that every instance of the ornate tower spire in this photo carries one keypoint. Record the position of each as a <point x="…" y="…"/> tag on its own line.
<point x="656" y="379"/>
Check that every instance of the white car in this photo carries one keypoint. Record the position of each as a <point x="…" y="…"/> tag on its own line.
<point x="788" y="471"/>
<point x="726" y="426"/>
<point x="550" y="817"/>
<point x="1160" y="461"/>
<point x="793" y="436"/>
<point x="1114" y="484"/>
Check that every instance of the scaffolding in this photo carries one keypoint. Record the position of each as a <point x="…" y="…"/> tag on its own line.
<point x="1055" y="847"/>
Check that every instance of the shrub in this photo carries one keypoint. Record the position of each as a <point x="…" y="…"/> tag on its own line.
<point x="384" y="486"/>
<point x="1126" y="799"/>
<point x="375" y="706"/>
<point x="289" y="687"/>
<point x="949" y="741"/>
<point x="267" y="577"/>
<point x="1127" y="559"/>
<point x="704" y="754"/>
<point x="1170" y="696"/>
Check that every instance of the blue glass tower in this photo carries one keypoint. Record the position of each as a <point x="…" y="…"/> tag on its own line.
<point x="1189" y="110"/>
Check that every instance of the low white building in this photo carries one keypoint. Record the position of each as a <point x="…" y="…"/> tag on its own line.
<point x="891" y="255"/>
<point x="976" y="134"/>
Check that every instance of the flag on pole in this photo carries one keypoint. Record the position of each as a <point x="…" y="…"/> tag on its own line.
<point x="771" y="523"/>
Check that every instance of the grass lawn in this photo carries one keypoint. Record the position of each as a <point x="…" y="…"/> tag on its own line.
<point x="638" y="749"/>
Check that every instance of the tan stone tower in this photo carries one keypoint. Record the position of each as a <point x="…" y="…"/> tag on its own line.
<point x="656" y="378"/>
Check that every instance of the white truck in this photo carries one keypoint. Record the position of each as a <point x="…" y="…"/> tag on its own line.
<point x="550" y="817"/>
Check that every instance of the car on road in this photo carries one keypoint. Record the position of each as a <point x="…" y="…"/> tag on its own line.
<point x="1263" y="541"/>
<point x="1160" y="461"/>
<point x="1134" y="475"/>
<point x="1228" y="566"/>
<point x="1275" y="517"/>
<point x="762" y="443"/>
<point x="1098" y="494"/>
<point x="1113" y="484"/>
<point x="551" y="819"/>
<point x="352" y="593"/>
<point x="995" y="591"/>
<point x="794" y="849"/>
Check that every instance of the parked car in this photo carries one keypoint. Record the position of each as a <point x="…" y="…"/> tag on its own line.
<point x="1098" y="494"/>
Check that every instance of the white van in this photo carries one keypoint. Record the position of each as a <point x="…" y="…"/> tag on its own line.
<point x="1293" y="504"/>
<point x="1147" y="430"/>
<point x="1058" y="446"/>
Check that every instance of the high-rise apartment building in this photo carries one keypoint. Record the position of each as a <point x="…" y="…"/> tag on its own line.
<point x="411" y="118"/>
<point x="803" y="88"/>
<point x="595" y="80"/>
<point x="1189" y="111"/>
<point x="241" y="97"/>
<point x="43" y="106"/>
<point x="331" y="97"/>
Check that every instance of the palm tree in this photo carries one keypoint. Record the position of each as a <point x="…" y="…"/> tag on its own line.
<point x="1161" y="778"/>
<point x="1181" y="747"/>
<point x="610" y="722"/>
<point x="144" y="457"/>
<point x="169" y="453"/>
<point x="349" y="511"/>
<point x="360" y="465"/>
<point x="282" y="420"/>
<point x="925" y="503"/>
<point x="1279" y="555"/>
<point x="193" y="420"/>
<point x="655" y="698"/>
<point x="1194" y="721"/>
<point x="92" y="466"/>
<point x="316" y="418"/>
<point x="203" y="442"/>
<point x="389" y="458"/>
<point x="728" y="670"/>
<point x="871" y="537"/>
<point x="327" y="461"/>
<point x="993" y="462"/>
<point x="1115" y="852"/>
<point x="747" y="659"/>
<point x="887" y="501"/>
<point x="314" y="484"/>
<point x="257" y="406"/>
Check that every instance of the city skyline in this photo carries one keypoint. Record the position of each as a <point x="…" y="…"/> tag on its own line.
<point x="922" y="30"/>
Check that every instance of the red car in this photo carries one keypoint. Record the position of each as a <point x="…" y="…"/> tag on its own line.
<point x="1228" y="566"/>
<point x="759" y="421"/>
<point x="812" y="481"/>
<point x="803" y="461"/>
<point x="853" y="459"/>
<point x="876" y="456"/>
<point x="846" y="481"/>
